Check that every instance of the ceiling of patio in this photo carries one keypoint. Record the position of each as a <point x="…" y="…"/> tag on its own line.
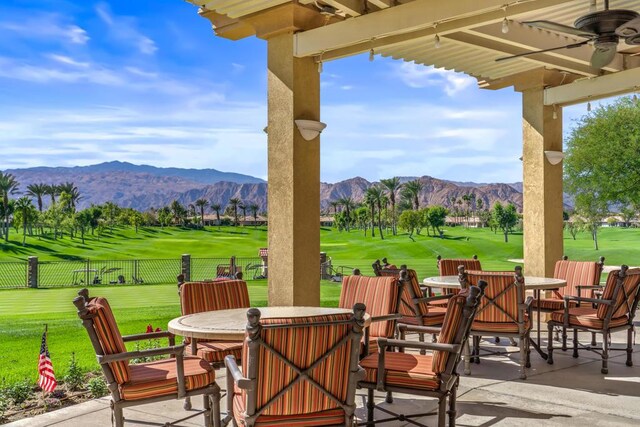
<point x="470" y="32"/>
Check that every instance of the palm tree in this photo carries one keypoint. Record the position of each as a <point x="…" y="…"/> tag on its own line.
<point x="374" y="196"/>
<point x="51" y="190"/>
<point x="202" y="203"/>
<point x="73" y="192"/>
<point x="411" y="191"/>
<point x="37" y="191"/>
<point x="24" y="205"/>
<point x="234" y="204"/>
<point x="334" y="204"/>
<point x="370" y="200"/>
<point x="178" y="211"/>
<point x="243" y="208"/>
<point x="348" y="204"/>
<point x="467" y="200"/>
<point x="253" y="208"/>
<point x="8" y="185"/>
<point x="392" y="185"/>
<point x="216" y="208"/>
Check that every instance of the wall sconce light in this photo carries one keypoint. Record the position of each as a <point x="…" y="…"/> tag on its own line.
<point x="266" y="130"/>
<point x="310" y="129"/>
<point x="554" y="157"/>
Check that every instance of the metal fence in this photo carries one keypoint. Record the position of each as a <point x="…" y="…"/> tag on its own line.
<point x="13" y="274"/>
<point x="209" y="268"/>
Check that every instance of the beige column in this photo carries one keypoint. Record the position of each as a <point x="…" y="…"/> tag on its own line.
<point x="543" y="222"/>
<point x="294" y="177"/>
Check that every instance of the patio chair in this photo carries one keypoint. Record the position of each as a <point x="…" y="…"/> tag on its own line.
<point x="504" y="311"/>
<point x="614" y="312"/>
<point x="218" y="294"/>
<point x="432" y="375"/>
<point x="131" y="385"/>
<point x="449" y="267"/>
<point x="286" y="381"/>
<point x="580" y="275"/>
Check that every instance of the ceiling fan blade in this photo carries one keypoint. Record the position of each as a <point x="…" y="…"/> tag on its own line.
<point x="560" y="28"/>
<point x="602" y="56"/>
<point x="551" y="49"/>
<point x="629" y="29"/>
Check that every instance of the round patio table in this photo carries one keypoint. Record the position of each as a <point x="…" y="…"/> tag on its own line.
<point x="230" y="325"/>
<point x="536" y="284"/>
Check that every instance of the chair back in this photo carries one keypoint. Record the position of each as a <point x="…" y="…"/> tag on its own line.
<point x="97" y="318"/>
<point x="302" y="365"/>
<point x="196" y="297"/>
<point x="461" y="311"/>
<point x="503" y="296"/>
<point x="381" y="296"/>
<point x="449" y="267"/>
<point x="623" y="287"/>
<point x="379" y="267"/>
<point x="577" y="273"/>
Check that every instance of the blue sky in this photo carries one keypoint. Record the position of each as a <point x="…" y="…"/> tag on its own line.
<point x="87" y="82"/>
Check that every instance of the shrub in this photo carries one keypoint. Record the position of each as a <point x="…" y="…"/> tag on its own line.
<point x="4" y="404"/>
<point x="74" y="377"/>
<point x="20" y="391"/>
<point x="97" y="387"/>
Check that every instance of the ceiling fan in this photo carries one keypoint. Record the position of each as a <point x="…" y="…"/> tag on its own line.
<point x="604" y="28"/>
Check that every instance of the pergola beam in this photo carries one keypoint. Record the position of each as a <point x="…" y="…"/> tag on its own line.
<point x="592" y="89"/>
<point x="408" y="21"/>
<point x="349" y="7"/>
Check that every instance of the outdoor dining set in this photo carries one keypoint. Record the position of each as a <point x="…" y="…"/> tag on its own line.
<point x="301" y="366"/>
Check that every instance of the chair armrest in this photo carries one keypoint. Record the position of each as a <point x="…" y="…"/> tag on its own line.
<point x="527" y="303"/>
<point x="233" y="371"/>
<point x="150" y="335"/>
<point x="451" y="348"/>
<point x="436" y="298"/>
<point x="403" y="327"/>
<point x="177" y="350"/>
<point x="568" y="298"/>
<point x="589" y="287"/>
<point x="386" y="317"/>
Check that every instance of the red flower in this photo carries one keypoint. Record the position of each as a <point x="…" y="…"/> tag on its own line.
<point x="158" y="330"/>
<point x="149" y="328"/>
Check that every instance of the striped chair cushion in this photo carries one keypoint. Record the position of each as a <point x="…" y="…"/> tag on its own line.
<point x="160" y="378"/>
<point x="552" y="304"/>
<point x="216" y="351"/>
<point x="576" y="273"/>
<point x="379" y="294"/>
<point x="449" y="267"/>
<point x="403" y="370"/>
<point x="109" y="336"/>
<point x="196" y="297"/>
<point x="587" y="317"/>
<point x="434" y="317"/>
<point x="302" y="346"/>
<point x="507" y="327"/>
<point x="508" y="301"/>
<point x="622" y="304"/>
<point x="331" y="417"/>
<point x="450" y="326"/>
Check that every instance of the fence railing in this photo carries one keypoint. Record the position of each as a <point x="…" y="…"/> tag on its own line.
<point x="13" y="274"/>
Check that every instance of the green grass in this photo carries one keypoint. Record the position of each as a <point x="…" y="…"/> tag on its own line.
<point x="23" y="312"/>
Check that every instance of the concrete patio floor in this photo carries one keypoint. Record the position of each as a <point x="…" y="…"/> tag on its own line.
<point x="571" y="392"/>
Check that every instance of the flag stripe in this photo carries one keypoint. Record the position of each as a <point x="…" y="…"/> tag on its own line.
<point x="47" y="380"/>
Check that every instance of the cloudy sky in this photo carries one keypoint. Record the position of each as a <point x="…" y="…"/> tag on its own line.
<point x="87" y="82"/>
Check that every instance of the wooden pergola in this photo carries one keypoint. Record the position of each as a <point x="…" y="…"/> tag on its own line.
<point x="303" y="34"/>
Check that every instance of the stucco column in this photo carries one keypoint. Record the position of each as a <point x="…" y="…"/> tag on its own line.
<point x="294" y="177"/>
<point x="543" y="222"/>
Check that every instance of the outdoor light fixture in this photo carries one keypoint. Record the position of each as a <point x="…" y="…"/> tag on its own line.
<point x="310" y="129"/>
<point x="555" y="112"/>
<point x="554" y="157"/>
<point x="436" y="41"/>
<point x="372" y="55"/>
<point x="505" y="26"/>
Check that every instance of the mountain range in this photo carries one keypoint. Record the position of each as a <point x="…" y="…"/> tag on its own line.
<point x="144" y="187"/>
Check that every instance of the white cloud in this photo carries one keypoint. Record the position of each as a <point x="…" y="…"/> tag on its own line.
<point x="45" y="26"/>
<point x="124" y="29"/>
<point x="420" y="76"/>
<point x="63" y="59"/>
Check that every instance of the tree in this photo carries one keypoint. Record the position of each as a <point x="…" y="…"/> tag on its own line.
<point x="334" y="204"/>
<point x="254" y="208"/>
<point x="8" y="186"/>
<point x="348" y="204"/>
<point x="25" y="207"/>
<point x="437" y="216"/>
<point x="411" y="191"/>
<point x="82" y="221"/>
<point x="505" y="218"/>
<point x="74" y="195"/>
<point x="234" y="204"/>
<point x="38" y="191"/>
<point x="52" y="191"/>
<point x="466" y="198"/>
<point x="374" y="196"/>
<point x="409" y="220"/>
<point x="164" y="216"/>
<point x="179" y="212"/>
<point x="574" y="227"/>
<point x="111" y="212"/>
<point x="243" y="208"/>
<point x="591" y="208"/>
<point x="628" y="214"/>
<point x="392" y="186"/>
<point x="602" y="163"/>
<point x="216" y="208"/>
<point x="202" y="204"/>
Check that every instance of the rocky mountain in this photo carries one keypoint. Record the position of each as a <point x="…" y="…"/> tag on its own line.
<point x="144" y="187"/>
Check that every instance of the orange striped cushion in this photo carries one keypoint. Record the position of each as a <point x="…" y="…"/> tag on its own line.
<point x="449" y="267"/>
<point x="552" y="304"/>
<point x="160" y="378"/>
<point x="587" y="317"/>
<point x="109" y="335"/>
<point x="379" y="295"/>
<point x="302" y="346"/>
<point x="406" y="307"/>
<point x="507" y="301"/>
<point x="450" y="326"/>
<point x="630" y="284"/>
<point x="196" y="297"/>
<point x="434" y="317"/>
<point x="509" y="327"/>
<point x="216" y="351"/>
<point x="331" y="417"/>
<point x="583" y="273"/>
<point x="403" y="370"/>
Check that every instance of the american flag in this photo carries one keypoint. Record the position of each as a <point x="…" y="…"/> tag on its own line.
<point x="47" y="381"/>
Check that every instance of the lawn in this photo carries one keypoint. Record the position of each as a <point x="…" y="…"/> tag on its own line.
<point x="23" y="312"/>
